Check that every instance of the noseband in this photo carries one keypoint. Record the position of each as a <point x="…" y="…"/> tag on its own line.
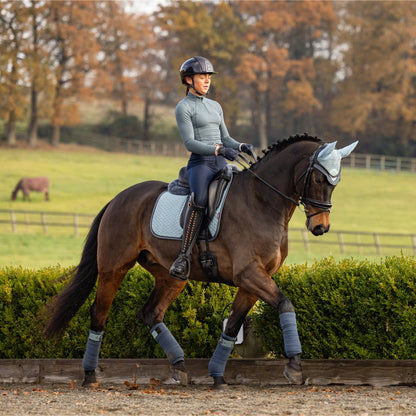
<point x="324" y="206"/>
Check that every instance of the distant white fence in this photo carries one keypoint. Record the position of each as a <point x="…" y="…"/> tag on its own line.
<point x="354" y="242"/>
<point x="174" y="148"/>
<point x="334" y="242"/>
<point x="380" y="162"/>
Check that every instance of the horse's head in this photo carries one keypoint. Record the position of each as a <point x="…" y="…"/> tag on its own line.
<point x="319" y="180"/>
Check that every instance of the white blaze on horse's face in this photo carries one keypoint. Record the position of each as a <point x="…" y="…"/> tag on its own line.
<point x="329" y="160"/>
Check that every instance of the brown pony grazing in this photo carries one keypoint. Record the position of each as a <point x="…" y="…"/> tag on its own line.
<point x="251" y="246"/>
<point x="26" y="185"/>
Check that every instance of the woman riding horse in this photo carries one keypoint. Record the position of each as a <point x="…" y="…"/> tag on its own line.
<point x="203" y="131"/>
<point x="251" y="246"/>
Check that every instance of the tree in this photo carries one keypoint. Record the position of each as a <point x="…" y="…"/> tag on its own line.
<point x="377" y="94"/>
<point x="118" y="34"/>
<point x="206" y="29"/>
<point x="36" y="63"/>
<point x="151" y="86"/>
<point x="73" y="52"/>
<point x="279" y="65"/>
<point x="13" y="21"/>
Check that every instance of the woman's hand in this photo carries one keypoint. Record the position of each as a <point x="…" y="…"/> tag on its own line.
<point x="248" y="148"/>
<point x="228" y="153"/>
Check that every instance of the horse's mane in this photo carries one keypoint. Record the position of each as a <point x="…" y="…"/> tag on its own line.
<point x="284" y="143"/>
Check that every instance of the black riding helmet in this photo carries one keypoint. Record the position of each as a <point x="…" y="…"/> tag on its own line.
<point x="195" y="65"/>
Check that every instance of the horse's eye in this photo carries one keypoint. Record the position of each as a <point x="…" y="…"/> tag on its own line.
<point x="318" y="177"/>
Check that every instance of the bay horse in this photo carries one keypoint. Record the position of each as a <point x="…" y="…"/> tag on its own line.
<point x="26" y="185"/>
<point x="251" y="246"/>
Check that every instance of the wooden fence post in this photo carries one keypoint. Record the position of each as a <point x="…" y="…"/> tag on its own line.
<point x="358" y="242"/>
<point x="377" y="243"/>
<point x="27" y="221"/>
<point x="305" y="240"/>
<point x="341" y="242"/>
<point x="13" y="221"/>
<point x="44" y="224"/>
<point x="76" y="224"/>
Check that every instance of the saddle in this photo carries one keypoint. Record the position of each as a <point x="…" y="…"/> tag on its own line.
<point x="180" y="186"/>
<point x="216" y="191"/>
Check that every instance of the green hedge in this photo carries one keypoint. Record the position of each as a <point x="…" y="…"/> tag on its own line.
<point x="345" y="309"/>
<point x="195" y="318"/>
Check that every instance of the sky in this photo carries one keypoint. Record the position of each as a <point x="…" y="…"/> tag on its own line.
<point x="146" y="6"/>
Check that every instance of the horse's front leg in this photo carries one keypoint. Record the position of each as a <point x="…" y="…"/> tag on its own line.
<point x="165" y="291"/>
<point x="256" y="281"/>
<point x="242" y="304"/>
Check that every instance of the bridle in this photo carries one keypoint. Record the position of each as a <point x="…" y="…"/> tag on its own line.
<point x="324" y="206"/>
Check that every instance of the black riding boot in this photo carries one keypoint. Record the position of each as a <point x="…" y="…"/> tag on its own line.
<point x="192" y="225"/>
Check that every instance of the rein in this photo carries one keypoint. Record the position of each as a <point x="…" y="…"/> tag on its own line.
<point x="325" y="206"/>
<point x="265" y="182"/>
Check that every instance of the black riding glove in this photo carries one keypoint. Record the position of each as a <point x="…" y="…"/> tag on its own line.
<point x="228" y="153"/>
<point x="248" y="148"/>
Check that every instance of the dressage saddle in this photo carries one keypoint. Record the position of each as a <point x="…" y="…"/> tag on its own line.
<point x="180" y="186"/>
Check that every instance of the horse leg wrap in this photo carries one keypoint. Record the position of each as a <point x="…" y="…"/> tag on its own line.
<point x="219" y="359"/>
<point x="168" y="343"/>
<point x="90" y="360"/>
<point x="290" y="334"/>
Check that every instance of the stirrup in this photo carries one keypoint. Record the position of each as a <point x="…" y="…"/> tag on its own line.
<point x="180" y="263"/>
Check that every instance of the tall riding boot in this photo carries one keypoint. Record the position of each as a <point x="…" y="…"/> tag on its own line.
<point x="193" y="221"/>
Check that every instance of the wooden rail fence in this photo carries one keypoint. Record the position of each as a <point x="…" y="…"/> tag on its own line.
<point x="336" y="241"/>
<point x="177" y="149"/>
<point x="45" y="220"/>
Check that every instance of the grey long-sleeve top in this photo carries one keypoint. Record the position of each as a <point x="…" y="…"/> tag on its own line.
<point x="201" y="125"/>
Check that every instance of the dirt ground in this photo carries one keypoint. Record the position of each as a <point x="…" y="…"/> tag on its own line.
<point x="154" y="399"/>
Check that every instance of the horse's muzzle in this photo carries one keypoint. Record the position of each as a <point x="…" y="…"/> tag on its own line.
<point x="318" y="224"/>
<point x="320" y="229"/>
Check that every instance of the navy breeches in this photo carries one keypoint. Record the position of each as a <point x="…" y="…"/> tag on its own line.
<point x="201" y="170"/>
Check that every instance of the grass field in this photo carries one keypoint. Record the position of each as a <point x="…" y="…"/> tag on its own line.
<point x="83" y="180"/>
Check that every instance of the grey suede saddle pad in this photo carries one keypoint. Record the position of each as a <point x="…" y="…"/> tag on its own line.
<point x="168" y="212"/>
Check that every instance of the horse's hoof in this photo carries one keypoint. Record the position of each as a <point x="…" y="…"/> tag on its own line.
<point x="179" y="374"/>
<point x="181" y="377"/>
<point x="89" y="378"/>
<point x="293" y="375"/>
<point x="219" y="383"/>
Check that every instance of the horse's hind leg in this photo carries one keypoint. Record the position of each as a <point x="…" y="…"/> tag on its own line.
<point x="108" y="285"/>
<point x="242" y="304"/>
<point x="165" y="291"/>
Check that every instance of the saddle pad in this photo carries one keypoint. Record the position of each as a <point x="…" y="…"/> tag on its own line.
<point x="165" y="221"/>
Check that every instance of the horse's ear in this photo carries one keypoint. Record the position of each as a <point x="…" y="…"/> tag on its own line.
<point x="326" y="151"/>
<point x="345" y="151"/>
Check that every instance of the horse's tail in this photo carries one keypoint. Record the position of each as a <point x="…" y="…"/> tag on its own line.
<point x="83" y="278"/>
<point x="16" y="190"/>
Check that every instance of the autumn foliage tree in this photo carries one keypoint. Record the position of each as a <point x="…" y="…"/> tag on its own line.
<point x="119" y="41"/>
<point x="279" y="64"/>
<point x="211" y="30"/>
<point x="377" y="95"/>
<point x="73" y="50"/>
<point x="37" y="65"/>
<point x="13" y="23"/>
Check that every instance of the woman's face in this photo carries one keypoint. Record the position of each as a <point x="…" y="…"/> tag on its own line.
<point x="202" y="82"/>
